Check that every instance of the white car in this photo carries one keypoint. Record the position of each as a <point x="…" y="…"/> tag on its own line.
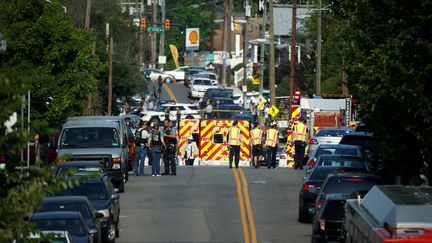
<point x="187" y="111"/>
<point x="167" y="78"/>
<point x="179" y="73"/>
<point x="199" y="86"/>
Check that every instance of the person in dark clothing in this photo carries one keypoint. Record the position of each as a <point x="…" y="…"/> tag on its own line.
<point x="156" y="143"/>
<point x="170" y="137"/>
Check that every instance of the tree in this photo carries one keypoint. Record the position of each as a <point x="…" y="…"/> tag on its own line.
<point x="389" y="54"/>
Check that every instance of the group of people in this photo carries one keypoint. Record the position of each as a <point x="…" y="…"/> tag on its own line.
<point x="160" y="142"/>
<point x="257" y="141"/>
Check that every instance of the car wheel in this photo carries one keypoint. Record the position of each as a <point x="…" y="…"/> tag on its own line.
<point x="121" y="186"/>
<point x="126" y="176"/>
<point x="111" y="233"/>
<point x="168" y="80"/>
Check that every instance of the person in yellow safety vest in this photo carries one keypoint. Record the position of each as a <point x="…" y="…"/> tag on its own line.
<point x="190" y="151"/>
<point x="272" y="144"/>
<point x="299" y="137"/>
<point x="234" y="143"/>
<point x="256" y="142"/>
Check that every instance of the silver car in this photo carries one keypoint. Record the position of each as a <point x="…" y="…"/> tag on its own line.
<point x="328" y="136"/>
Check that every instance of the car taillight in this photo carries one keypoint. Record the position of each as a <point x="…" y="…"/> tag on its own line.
<point x="312" y="141"/>
<point x="321" y="224"/>
<point x="311" y="163"/>
<point x="309" y="188"/>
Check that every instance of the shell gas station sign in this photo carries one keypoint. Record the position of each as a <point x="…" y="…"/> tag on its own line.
<point x="192" y="39"/>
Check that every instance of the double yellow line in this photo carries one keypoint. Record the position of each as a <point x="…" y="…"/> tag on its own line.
<point x="249" y="233"/>
<point x="170" y="93"/>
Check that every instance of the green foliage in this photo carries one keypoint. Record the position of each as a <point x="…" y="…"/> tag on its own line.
<point x="388" y="52"/>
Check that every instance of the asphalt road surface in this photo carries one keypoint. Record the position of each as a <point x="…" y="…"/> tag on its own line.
<point x="171" y="91"/>
<point x="213" y="204"/>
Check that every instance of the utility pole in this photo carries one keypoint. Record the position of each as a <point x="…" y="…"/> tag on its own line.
<point x="344" y="79"/>
<point x="141" y="36"/>
<point x="262" y="59"/>
<point x="110" y="54"/>
<point x="228" y="72"/>
<point x="162" y="36"/>
<point x="318" y="74"/>
<point x="225" y="37"/>
<point x="272" y="56"/>
<point x="153" y="35"/>
<point x="245" y="52"/>
<point x="87" y="17"/>
<point x="292" y="57"/>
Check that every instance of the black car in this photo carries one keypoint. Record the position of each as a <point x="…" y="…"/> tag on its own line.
<point x="328" y="222"/>
<point x="339" y="160"/>
<point x="312" y="185"/>
<point x="79" y="168"/>
<point x="213" y="93"/>
<point x="342" y="149"/>
<point x="74" y="203"/>
<point x="345" y="183"/>
<point x="102" y="196"/>
<point x="72" y="222"/>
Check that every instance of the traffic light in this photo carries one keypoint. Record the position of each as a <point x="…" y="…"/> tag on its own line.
<point x="143" y="23"/>
<point x="167" y="24"/>
<point x="296" y="98"/>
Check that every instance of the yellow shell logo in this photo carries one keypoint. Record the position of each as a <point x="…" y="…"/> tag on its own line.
<point x="193" y="37"/>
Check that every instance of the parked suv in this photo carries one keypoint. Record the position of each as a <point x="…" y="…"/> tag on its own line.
<point x="97" y="140"/>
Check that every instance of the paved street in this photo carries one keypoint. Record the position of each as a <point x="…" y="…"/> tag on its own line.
<point x="201" y="204"/>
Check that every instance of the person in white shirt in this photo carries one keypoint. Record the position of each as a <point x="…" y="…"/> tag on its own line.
<point x="190" y="151"/>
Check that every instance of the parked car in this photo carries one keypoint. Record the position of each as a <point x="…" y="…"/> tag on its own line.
<point x="166" y="77"/>
<point x="366" y="141"/>
<point x="328" y="223"/>
<point x="73" y="222"/>
<point x="77" y="204"/>
<point x="208" y="75"/>
<point x="98" y="140"/>
<point x="81" y="167"/>
<point x="345" y="183"/>
<point x="198" y="86"/>
<point x="339" y="160"/>
<point x="341" y="149"/>
<point x="187" y="111"/>
<point x="212" y="93"/>
<point x="311" y="186"/>
<point x="179" y="73"/>
<point x="193" y="70"/>
<point x="328" y="135"/>
<point x="102" y="196"/>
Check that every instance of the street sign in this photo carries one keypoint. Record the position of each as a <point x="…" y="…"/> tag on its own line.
<point x="273" y="111"/>
<point x="260" y="100"/>
<point x="210" y="57"/>
<point x="155" y="29"/>
<point x="260" y="107"/>
<point x="255" y="80"/>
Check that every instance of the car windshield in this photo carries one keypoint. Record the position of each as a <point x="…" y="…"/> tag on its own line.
<point x="344" y="151"/>
<point x="192" y="107"/>
<point x="74" y="226"/>
<point x="348" y="185"/>
<point x="334" y="209"/>
<point x="93" y="191"/>
<point x="332" y="133"/>
<point x="341" y="161"/>
<point x="202" y="82"/>
<point x="89" y="137"/>
<point x="75" y="206"/>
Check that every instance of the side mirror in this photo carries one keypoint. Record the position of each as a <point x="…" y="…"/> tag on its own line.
<point x="115" y="196"/>
<point x="93" y="230"/>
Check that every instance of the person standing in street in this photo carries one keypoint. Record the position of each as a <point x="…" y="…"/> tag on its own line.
<point x="271" y="143"/>
<point x="170" y="138"/>
<point x="141" y="141"/>
<point x="234" y="143"/>
<point x="256" y="141"/>
<point x="156" y="143"/>
<point x="299" y="137"/>
<point x="190" y="151"/>
<point x="160" y="85"/>
<point x="209" y="109"/>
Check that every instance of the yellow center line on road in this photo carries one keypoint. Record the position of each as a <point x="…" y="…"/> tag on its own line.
<point x="248" y="207"/>
<point x="170" y="93"/>
<point x="242" y="207"/>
